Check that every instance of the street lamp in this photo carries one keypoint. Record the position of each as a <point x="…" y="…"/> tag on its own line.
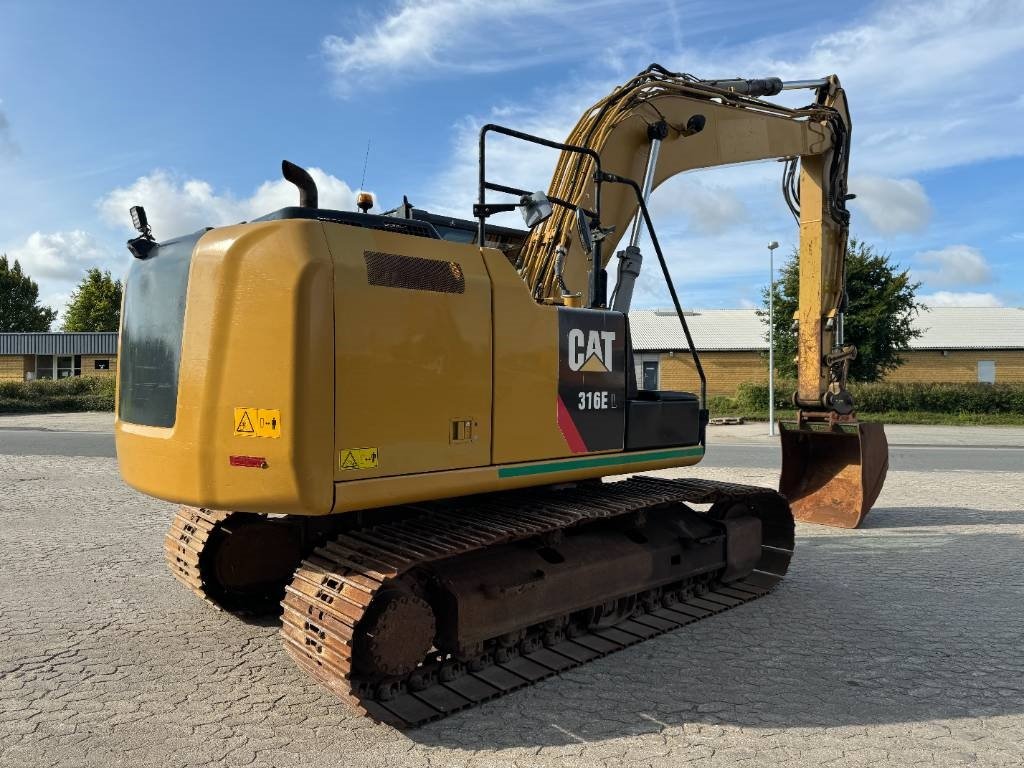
<point x="771" y="337"/>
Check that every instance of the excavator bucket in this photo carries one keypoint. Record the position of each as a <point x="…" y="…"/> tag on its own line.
<point x="832" y="474"/>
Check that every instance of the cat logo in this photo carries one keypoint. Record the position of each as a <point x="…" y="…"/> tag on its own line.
<point x="590" y="352"/>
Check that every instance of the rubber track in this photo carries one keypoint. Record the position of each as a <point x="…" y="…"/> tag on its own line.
<point x="333" y="587"/>
<point x="188" y="533"/>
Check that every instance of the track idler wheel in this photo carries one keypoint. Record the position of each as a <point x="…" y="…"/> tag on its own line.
<point x="396" y="634"/>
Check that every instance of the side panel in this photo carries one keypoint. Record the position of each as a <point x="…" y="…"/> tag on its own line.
<point x="525" y="370"/>
<point x="412" y="355"/>
<point x="257" y="334"/>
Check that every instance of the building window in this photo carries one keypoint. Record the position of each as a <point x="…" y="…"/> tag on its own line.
<point x="987" y="371"/>
<point x="65" y="366"/>
<point x="101" y="365"/>
<point x="44" y="366"/>
<point x="58" y="366"/>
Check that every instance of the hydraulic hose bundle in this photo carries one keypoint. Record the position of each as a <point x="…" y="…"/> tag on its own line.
<point x="573" y="174"/>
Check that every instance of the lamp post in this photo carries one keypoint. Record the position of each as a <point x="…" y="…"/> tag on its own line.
<point x="771" y="337"/>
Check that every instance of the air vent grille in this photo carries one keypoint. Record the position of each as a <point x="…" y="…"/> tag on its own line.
<point x="392" y="270"/>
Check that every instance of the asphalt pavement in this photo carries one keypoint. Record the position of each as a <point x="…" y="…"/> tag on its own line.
<point x="24" y="441"/>
<point x="911" y="458"/>
<point x="916" y="451"/>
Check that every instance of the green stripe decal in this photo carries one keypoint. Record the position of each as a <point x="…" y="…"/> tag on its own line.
<point x="618" y="459"/>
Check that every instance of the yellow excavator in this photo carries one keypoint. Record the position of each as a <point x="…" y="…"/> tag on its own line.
<point x="394" y="428"/>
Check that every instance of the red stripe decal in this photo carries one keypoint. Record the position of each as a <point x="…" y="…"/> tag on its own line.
<point x="254" y="462"/>
<point x="569" y="431"/>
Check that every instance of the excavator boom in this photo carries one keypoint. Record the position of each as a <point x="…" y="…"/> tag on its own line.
<point x="661" y="124"/>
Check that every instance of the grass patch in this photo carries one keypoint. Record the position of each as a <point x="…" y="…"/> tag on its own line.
<point x="944" y="404"/>
<point x="77" y="393"/>
<point x="891" y="417"/>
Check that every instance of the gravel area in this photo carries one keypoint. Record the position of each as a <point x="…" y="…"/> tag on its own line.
<point x="896" y="644"/>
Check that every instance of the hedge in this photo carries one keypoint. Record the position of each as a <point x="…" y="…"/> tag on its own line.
<point x="882" y="397"/>
<point x="77" y="393"/>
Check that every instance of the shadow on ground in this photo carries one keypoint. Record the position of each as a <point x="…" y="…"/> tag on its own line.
<point x="867" y="629"/>
<point x="924" y="517"/>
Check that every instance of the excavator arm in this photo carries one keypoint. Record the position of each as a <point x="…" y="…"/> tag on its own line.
<point x="660" y="124"/>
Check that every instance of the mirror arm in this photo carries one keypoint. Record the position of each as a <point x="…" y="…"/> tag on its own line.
<point x="516" y="191"/>
<point x="489" y="209"/>
<point x="615" y="179"/>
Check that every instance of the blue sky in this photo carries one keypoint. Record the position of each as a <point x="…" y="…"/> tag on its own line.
<point x="189" y="107"/>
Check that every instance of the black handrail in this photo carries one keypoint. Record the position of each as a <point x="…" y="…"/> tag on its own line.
<point x="596" y="284"/>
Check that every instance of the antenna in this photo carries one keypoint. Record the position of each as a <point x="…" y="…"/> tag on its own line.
<point x="364" y="200"/>
<point x="366" y="159"/>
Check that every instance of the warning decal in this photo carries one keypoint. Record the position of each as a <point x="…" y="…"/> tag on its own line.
<point x="257" y="422"/>
<point x="357" y="458"/>
<point x="245" y="422"/>
<point x="268" y="422"/>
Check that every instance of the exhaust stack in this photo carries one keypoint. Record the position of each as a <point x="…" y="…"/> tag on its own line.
<point x="300" y="177"/>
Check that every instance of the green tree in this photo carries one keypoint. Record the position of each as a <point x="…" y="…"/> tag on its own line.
<point x="19" y="301"/>
<point x="878" y="318"/>
<point x="95" y="304"/>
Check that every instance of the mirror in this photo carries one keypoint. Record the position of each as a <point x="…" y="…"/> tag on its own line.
<point x="536" y="208"/>
<point x="583" y="229"/>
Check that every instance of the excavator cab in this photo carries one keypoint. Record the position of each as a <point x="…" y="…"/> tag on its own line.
<point x="832" y="472"/>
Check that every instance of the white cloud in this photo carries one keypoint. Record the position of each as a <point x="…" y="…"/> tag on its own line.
<point x="891" y="206"/>
<point x="418" y="35"/>
<point x="178" y="206"/>
<point x="415" y="39"/>
<point x="61" y="256"/>
<point x="57" y="261"/>
<point x="960" y="299"/>
<point x="954" y="265"/>
<point x="708" y="209"/>
<point x="509" y="161"/>
<point x="925" y="79"/>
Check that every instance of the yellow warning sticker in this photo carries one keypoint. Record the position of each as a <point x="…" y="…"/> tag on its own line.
<point x="257" y="422"/>
<point x="245" y="421"/>
<point x="357" y="458"/>
<point x="268" y="422"/>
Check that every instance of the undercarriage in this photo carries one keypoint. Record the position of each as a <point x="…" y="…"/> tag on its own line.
<point x="412" y="613"/>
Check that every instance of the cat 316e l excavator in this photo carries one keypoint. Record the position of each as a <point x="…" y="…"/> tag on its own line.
<point x="396" y="426"/>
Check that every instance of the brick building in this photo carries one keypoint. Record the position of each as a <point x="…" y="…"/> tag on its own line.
<point x="958" y="344"/>
<point x="28" y="356"/>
